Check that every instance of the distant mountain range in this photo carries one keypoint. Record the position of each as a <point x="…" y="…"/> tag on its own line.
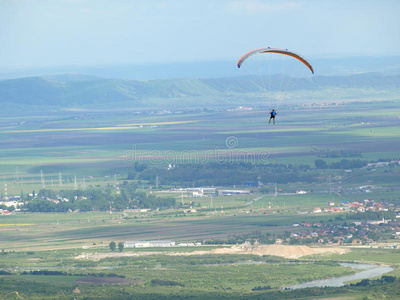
<point x="68" y="91"/>
<point x="334" y="65"/>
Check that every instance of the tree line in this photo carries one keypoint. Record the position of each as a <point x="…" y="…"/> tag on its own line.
<point x="214" y="174"/>
<point x="343" y="164"/>
<point x="94" y="200"/>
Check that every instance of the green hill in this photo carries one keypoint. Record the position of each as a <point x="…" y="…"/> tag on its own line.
<point x="87" y="92"/>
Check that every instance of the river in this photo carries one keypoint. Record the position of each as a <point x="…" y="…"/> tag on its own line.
<point x="369" y="271"/>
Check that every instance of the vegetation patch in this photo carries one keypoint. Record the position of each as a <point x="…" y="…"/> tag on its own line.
<point x="102" y="280"/>
<point x="166" y="283"/>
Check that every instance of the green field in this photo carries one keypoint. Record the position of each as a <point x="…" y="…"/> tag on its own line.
<point x="298" y="133"/>
<point x="31" y="231"/>
<point x="99" y="149"/>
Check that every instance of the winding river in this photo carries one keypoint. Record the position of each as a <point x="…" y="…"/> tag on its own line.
<point x="369" y="271"/>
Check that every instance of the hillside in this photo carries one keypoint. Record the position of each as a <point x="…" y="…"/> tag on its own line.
<point x="88" y="92"/>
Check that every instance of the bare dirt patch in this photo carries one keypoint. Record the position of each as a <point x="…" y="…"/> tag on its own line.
<point x="297" y="251"/>
<point x="276" y="250"/>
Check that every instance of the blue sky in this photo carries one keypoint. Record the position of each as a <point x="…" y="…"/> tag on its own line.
<point x="48" y="33"/>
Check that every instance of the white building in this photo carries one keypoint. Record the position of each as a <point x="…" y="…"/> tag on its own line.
<point x="203" y="192"/>
<point x="148" y="244"/>
<point x="233" y="192"/>
<point x="11" y="203"/>
<point x="301" y="192"/>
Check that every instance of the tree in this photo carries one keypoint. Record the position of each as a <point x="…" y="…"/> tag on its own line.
<point x="321" y="164"/>
<point x="264" y="190"/>
<point x="363" y="282"/>
<point x="121" y="246"/>
<point x="389" y="279"/>
<point x="84" y="205"/>
<point x="139" y="167"/>
<point x="113" y="246"/>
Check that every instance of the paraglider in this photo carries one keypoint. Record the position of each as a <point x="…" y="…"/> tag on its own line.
<point x="275" y="50"/>
<point x="266" y="82"/>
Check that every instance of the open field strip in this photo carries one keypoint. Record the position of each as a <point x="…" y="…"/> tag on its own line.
<point x="117" y="127"/>
<point x="71" y="129"/>
<point x="374" y="253"/>
<point x="160" y="123"/>
<point x="372" y="133"/>
<point x="12" y="225"/>
<point x="269" y="130"/>
<point x="376" y="155"/>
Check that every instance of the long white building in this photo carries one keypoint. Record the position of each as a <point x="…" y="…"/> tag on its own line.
<point x="147" y="244"/>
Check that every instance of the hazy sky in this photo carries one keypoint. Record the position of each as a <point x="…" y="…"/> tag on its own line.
<point x="45" y="33"/>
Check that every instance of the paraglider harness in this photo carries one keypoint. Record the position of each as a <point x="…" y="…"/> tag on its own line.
<point x="273" y="114"/>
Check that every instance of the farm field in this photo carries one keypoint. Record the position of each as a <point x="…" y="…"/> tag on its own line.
<point x="29" y="231"/>
<point x="74" y="144"/>
<point x="93" y="151"/>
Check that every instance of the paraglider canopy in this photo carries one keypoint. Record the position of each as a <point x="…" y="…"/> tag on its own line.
<point x="274" y="74"/>
<point x="275" y="50"/>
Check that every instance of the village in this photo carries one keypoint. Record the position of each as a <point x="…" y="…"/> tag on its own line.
<point x="354" y="223"/>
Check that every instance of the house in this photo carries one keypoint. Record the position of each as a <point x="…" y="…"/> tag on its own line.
<point x="9" y="203"/>
<point x="197" y="194"/>
<point x="383" y="221"/>
<point x="333" y="209"/>
<point x="378" y="204"/>
<point x="53" y="200"/>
